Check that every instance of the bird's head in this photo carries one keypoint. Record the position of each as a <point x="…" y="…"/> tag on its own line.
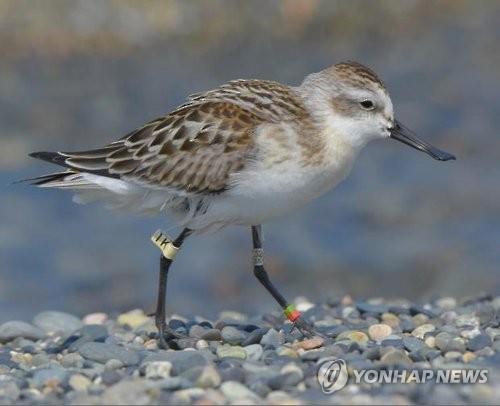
<point x="356" y="104"/>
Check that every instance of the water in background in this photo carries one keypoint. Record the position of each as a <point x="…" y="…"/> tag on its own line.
<point x="75" y="75"/>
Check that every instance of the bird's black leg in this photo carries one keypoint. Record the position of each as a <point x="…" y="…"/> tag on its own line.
<point x="169" y="249"/>
<point x="259" y="271"/>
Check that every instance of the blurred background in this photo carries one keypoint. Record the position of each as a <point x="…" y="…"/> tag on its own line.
<point x="78" y="74"/>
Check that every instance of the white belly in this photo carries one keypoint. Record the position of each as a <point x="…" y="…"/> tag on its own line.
<point x="261" y="194"/>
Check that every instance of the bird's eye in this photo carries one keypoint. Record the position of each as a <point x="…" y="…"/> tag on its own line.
<point x="367" y="105"/>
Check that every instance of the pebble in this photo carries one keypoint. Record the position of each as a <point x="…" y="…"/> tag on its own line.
<point x="447" y="342"/>
<point x="113" y="364"/>
<point x="287" y="352"/>
<point x="467" y="320"/>
<point x="430" y="341"/>
<point x="273" y="338"/>
<point x="253" y="352"/>
<point x="181" y="360"/>
<point x="254" y="337"/>
<point x="95" y="318"/>
<point x="237" y="392"/>
<point x="39" y="360"/>
<point x="79" y="382"/>
<point x="102" y="352"/>
<point x="9" y="391"/>
<point x="232" y="335"/>
<point x="72" y="360"/>
<point x="158" y="369"/>
<point x="379" y="331"/>
<point x="133" y="318"/>
<point x="11" y="330"/>
<point x="205" y="377"/>
<point x="479" y="342"/>
<point x="366" y="307"/>
<point x="422" y="330"/>
<point x="202" y="344"/>
<point x="230" y="316"/>
<point x="241" y="360"/>
<point x="49" y="376"/>
<point x="406" y="325"/>
<point x="126" y="392"/>
<point x="211" y="334"/>
<point x="309" y="344"/>
<point x="392" y="341"/>
<point x="468" y="356"/>
<point x="453" y="355"/>
<point x="446" y="303"/>
<point x="412" y="343"/>
<point x="390" y="319"/>
<point x="228" y="351"/>
<point x="55" y="322"/>
<point x="395" y="357"/>
<point x="356" y="336"/>
<point x="110" y="377"/>
<point x="293" y="373"/>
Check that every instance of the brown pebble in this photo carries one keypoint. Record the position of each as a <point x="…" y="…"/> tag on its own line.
<point x="309" y="344"/>
<point x="379" y="331"/>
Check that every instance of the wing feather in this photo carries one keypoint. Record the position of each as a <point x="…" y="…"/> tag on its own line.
<point x="195" y="148"/>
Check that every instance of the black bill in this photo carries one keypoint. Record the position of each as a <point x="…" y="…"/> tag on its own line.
<point x="401" y="133"/>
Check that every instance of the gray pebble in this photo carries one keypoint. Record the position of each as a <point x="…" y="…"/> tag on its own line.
<point x="392" y="342"/>
<point x="247" y="362"/>
<point x="211" y="334"/>
<point x="366" y="307"/>
<point x="14" y="329"/>
<point x="173" y="383"/>
<point x="102" y="352"/>
<point x="413" y="343"/>
<point x="273" y="338"/>
<point x="9" y="390"/>
<point x="185" y="342"/>
<point x="254" y="337"/>
<point x="57" y="322"/>
<point x="40" y="360"/>
<point x="260" y="388"/>
<point x="406" y="325"/>
<point x="254" y="352"/>
<point x="372" y="353"/>
<point x="237" y="392"/>
<point x="110" y="377"/>
<point x="479" y="342"/>
<point x="335" y="331"/>
<point x="72" y="360"/>
<point x="181" y="360"/>
<point x="447" y="342"/>
<point x="196" y="331"/>
<point x="113" y="364"/>
<point x="41" y="377"/>
<point x="92" y="332"/>
<point x="232" y="335"/>
<point x="5" y="359"/>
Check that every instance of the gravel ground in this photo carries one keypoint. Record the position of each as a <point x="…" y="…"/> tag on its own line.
<point x="60" y="358"/>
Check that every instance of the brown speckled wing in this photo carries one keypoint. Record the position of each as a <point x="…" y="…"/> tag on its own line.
<point x="196" y="147"/>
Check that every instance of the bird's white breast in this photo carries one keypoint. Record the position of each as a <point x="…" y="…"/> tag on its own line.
<point x="280" y="180"/>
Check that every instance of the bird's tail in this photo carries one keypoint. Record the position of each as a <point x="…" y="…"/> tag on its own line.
<point x="64" y="180"/>
<point x="70" y="178"/>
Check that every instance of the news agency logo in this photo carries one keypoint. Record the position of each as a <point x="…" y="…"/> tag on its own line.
<point x="332" y="375"/>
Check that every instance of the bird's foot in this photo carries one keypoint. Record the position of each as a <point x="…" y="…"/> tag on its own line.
<point x="165" y="333"/>
<point x="299" y="323"/>
<point x="306" y="329"/>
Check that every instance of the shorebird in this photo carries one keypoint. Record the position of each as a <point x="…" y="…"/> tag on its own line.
<point x="242" y="154"/>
